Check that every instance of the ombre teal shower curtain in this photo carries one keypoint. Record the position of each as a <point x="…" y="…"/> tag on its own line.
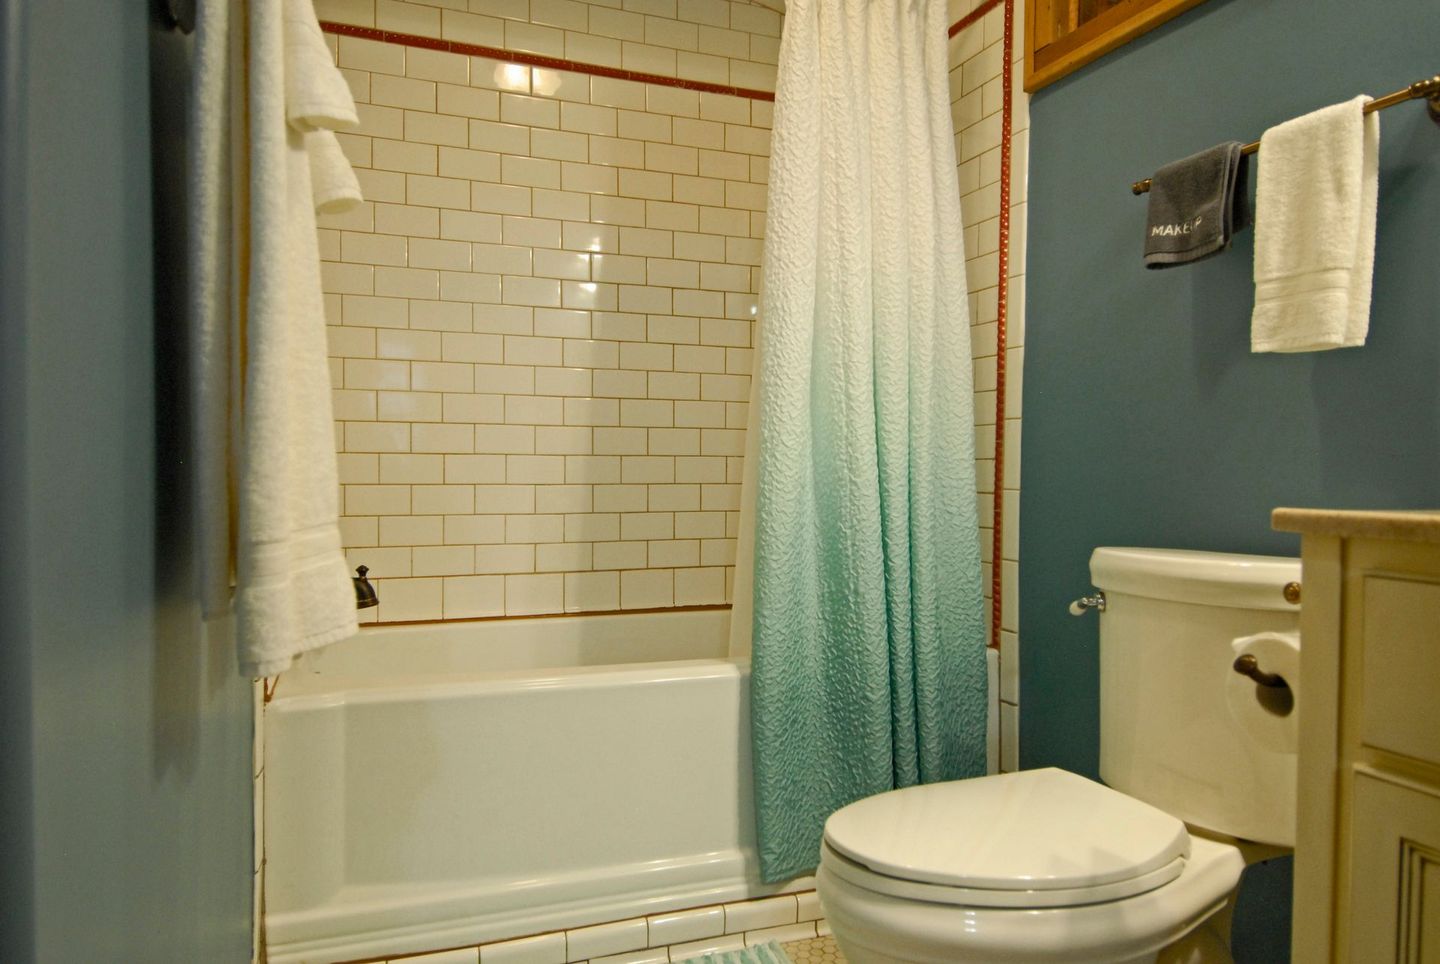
<point x="868" y="660"/>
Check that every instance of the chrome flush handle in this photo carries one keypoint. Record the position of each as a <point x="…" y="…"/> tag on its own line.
<point x="1096" y="602"/>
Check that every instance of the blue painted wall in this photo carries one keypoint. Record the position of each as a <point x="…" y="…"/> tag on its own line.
<point x="1147" y="420"/>
<point x="125" y="801"/>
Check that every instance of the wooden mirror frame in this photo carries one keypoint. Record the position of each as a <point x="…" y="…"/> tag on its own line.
<point x="1051" y="53"/>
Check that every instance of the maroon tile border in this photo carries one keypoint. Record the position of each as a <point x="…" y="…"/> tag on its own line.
<point x="973" y="16"/>
<point x="539" y="60"/>
<point x="1002" y="316"/>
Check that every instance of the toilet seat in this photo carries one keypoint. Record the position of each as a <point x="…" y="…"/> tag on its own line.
<point x="1032" y="839"/>
<point x="860" y="876"/>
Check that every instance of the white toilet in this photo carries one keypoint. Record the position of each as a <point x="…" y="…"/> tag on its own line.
<point x="1045" y="865"/>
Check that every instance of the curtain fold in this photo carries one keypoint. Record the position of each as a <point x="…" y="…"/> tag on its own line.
<point x="868" y="662"/>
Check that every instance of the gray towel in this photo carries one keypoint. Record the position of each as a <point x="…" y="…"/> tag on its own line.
<point x="1196" y="206"/>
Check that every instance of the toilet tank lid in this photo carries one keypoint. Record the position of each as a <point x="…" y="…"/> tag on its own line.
<point x="1194" y="576"/>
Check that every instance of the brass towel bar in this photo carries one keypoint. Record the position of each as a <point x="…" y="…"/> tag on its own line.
<point x="1428" y="89"/>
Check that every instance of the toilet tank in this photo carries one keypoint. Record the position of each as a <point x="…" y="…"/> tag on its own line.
<point x="1171" y="730"/>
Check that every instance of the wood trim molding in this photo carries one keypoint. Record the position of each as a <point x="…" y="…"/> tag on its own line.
<point x="1046" y="62"/>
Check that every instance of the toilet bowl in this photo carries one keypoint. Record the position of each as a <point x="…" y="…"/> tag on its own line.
<point x="1046" y="865"/>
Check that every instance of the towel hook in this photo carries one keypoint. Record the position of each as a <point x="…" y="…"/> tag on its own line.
<point x="180" y="14"/>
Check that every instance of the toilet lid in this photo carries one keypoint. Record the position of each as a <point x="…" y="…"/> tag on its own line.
<point x="1036" y="830"/>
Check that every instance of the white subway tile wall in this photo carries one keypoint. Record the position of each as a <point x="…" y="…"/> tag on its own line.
<point x="716" y="41"/>
<point x="976" y="101"/>
<point x="541" y="319"/>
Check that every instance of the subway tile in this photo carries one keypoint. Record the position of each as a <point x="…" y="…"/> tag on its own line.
<point x="472" y="165"/>
<point x="757" y="914"/>
<point x="442" y="438"/>
<point x="617" y="210"/>
<point x="360" y="54"/>
<point x="699" y="525"/>
<point x="442" y="499"/>
<point x="647" y="58"/>
<point x="562" y="499"/>
<point x="672" y="330"/>
<point x="595" y="469"/>
<point x="385" y="563"/>
<point x="564" y="381"/>
<point x="619" y="555"/>
<point x="536" y="469"/>
<point x="606" y="938"/>
<point x="377" y="499"/>
<point x="647" y="589"/>
<point x="478" y="469"/>
<point x="472" y="596"/>
<point x="589" y="178"/>
<point x="471" y="102"/>
<point x="676" y="385"/>
<point x="442" y="561"/>
<point x="592" y="591"/>
<point x="784" y="934"/>
<point x="563" y="557"/>
<point x="505" y="559"/>
<point x="686" y="926"/>
<point x="591" y="411"/>
<point x="472" y="29"/>
<point x="657" y="955"/>
<point x="407" y="18"/>
<point x="561" y="145"/>
<point x="439" y="192"/>
<point x="529" y="171"/>
<point x="524" y="595"/>
<point x="470" y="529"/>
<point x="403" y="600"/>
<point x="559" y="205"/>
<point x="562" y="440"/>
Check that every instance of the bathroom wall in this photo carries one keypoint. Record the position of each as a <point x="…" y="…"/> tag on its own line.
<point x="1150" y="422"/>
<point x="124" y="807"/>
<point x="541" y="319"/>
<point x="976" y="75"/>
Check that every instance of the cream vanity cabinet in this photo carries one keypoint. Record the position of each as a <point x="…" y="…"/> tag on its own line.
<point x="1367" y="853"/>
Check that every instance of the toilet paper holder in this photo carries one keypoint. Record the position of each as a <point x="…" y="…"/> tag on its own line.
<point x="1248" y="665"/>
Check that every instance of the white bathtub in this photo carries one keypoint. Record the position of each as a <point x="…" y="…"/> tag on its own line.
<point x="445" y="785"/>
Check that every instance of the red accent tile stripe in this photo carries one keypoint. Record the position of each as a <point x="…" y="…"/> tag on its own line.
<point x="539" y="60"/>
<point x="997" y="546"/>
<point x="974" y="15"/>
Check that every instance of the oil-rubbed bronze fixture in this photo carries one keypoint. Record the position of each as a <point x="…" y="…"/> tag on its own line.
<point x="1248" y="665"/>
<point x="365" y="595"/>
<point x="1427" y="89"/>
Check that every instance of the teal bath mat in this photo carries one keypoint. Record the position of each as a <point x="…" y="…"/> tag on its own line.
<point x="759" y="954"/>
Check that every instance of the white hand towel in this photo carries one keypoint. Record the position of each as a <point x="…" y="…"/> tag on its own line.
<point x="294" y="591"/>
<point x="332" y="179"/>
<point x="316" y="94"/>
<point x="1315" y="199"/>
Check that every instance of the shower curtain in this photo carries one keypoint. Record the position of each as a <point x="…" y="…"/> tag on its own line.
<point x="868" y="660"/>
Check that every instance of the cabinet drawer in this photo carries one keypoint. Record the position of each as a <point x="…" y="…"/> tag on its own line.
<point x="1401" y="674"/>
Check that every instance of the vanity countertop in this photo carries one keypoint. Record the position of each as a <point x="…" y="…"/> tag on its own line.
<point x="1414" y="525"/>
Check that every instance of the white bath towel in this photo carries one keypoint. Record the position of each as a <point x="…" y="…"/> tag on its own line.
<point x="294" y="588"/>
<point x="211" y="292"/>
<point x="1315" y="202"/>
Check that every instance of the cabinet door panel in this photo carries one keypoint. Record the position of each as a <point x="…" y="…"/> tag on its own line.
<point x="1402" y="666"/>
<point x="1394" y="887"/>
